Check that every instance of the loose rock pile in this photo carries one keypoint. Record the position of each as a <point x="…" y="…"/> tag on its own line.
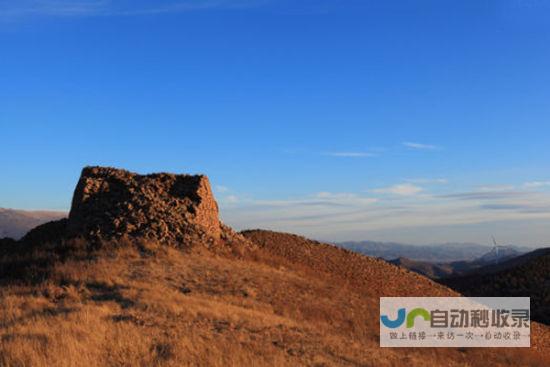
<point x="111" y="203"/>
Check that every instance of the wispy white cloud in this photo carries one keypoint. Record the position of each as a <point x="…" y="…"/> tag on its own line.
<point x="405" y="189"/>
<point x="20" y="9"/>
<point x="496" y="188"/>
<point x="420" y="146"/>
<point x="536" y="184"/>
<point x="321" y="199"/>
<point x="510" y="201"/>
<point x="229" y="199"/>
<point x="350" y="154"/>
<point x="345" y="198"/>
<point x="347" y="215"/>
<point x="485" y="195"/>
<point x="176" y="6"/>
<point x="291" y="214"/>
<point x="221" y="189"/>
<point x="427" y="181"/>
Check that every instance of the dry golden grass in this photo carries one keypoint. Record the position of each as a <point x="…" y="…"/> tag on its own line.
<point x="150" y="305"/>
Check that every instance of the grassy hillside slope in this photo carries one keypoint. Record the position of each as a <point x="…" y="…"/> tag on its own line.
<point x="287" y="302"/>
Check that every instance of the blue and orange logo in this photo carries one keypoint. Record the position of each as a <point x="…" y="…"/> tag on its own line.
<point x="402" y="315"/>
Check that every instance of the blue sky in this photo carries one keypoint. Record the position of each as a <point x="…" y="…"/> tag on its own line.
<point x="415" y="121"/>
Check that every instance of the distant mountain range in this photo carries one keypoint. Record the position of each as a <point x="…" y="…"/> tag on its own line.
<point x="438" y="253"/>
<point x="503" y="271"/>
<point x="527" y="275"/>
<point x="16" y="223"/>
<point x="455" y="268"/>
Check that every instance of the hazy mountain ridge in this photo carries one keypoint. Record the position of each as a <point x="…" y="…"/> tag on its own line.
<point x="524" y="276"/>
<point x="455" y="268"/>
<point x="16" y="223"/>
<point x="440" y="253"/>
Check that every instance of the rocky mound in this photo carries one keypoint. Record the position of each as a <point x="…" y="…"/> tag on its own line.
<point x="109" y="204"/>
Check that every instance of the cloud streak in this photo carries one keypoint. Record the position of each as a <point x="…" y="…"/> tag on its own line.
<point x="427" y="181"/>
<point x="350" y="154"/>
<point x="485" y="195"/>
<point x="536" y="184"/>
<point x="230" y="199"/>
<point x="21" y="9"/>
<point x="221" y="188"/>
<point x="406" y="189"/>
<point x="342" y="216"/>
<point x="420" y="146"/>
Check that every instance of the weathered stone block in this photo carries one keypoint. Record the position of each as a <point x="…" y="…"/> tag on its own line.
<point x="111" y="203"/>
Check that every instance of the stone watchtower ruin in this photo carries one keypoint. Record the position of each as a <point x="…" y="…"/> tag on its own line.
<point x="111" y="203"/>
